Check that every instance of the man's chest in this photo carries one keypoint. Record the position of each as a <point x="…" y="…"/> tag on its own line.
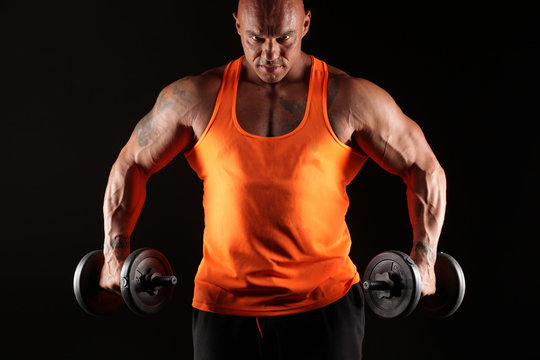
<point x="274" y="113"/>
<point x="270" y="112"/>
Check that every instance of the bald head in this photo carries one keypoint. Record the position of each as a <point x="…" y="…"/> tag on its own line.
<point x="271" y="32"/>
<point x="271" y="6"/>
<point x="271" y="13"/>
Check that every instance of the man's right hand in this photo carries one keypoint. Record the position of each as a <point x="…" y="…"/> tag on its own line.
<point x="110" y="275"/>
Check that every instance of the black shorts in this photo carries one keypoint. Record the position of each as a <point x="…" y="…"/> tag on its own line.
<point x="335" y="331"/>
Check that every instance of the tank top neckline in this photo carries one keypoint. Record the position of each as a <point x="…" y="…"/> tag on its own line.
<point x="302" y="123"/>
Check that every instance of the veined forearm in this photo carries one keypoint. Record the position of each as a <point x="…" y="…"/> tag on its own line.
<point x="124" y="199"/>
<point x="426" y="198"/>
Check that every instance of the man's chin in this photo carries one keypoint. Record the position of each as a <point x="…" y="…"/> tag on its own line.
<point x="271" y="77"/>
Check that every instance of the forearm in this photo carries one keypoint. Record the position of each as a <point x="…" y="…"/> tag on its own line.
<point x="426" y="199"/>
<point x="124" y="199"/>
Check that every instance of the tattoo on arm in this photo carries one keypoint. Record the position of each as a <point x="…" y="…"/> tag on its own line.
<point x="119" y="242"/>
<point x="181" y="99"/>
<point x="176" y="100"/>
<point x="147" y="130"/>
<point x="423" y="248"/>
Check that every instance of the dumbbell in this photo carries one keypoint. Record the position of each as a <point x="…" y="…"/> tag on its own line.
<point x="146" y="283"/>
<point x="392" y="286"/>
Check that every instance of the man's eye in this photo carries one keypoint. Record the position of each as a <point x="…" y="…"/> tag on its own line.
<point x="284" y="38"/>
<point x="256" y="38"/>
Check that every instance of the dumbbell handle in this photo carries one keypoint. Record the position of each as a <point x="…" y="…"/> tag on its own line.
<point x="377" y="285"/>
<point x="382" y="282"/>
<point x="158" y="280"/>
<point x="151" y="282"/>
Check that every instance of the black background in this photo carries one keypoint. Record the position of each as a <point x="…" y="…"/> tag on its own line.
<point x="77" y="76"/>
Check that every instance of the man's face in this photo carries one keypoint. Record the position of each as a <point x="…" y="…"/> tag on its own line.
<point x="271" y="34"/>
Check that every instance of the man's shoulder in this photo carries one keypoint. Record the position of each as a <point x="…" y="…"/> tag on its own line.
<point x="203" y="85"/>
<point x="354" y="94"/>
<point x="191" y="98"/>
<point x="350" y="85"/>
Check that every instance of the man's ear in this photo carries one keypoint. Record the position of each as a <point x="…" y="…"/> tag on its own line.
<point x="307" y="21"/>
<point x="235" y="16"/>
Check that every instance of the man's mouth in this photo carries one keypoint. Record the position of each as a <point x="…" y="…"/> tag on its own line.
<point x="270" y="68"/>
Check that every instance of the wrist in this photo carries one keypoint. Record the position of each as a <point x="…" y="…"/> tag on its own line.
<point x="423" y="253"/>
<point x="116" y="247"/>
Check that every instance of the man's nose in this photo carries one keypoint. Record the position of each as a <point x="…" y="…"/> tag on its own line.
<point x="270" y="51"/>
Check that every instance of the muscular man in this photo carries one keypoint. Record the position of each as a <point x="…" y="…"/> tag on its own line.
<point x="276" y="136"/>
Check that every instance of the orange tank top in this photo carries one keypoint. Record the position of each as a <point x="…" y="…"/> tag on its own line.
<point x="275" y="239"/>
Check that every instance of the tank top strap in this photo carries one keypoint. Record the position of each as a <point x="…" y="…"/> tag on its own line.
<point x="230" y="80"/>
<point x="318" y="85"/>
<point x="226" y="99"/>
<point x="229" y="84"/>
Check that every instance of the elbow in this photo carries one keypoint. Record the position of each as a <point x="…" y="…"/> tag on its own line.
<point x="136" y="173"/>
<point x="130" y="164"/>
<point x="125" y="188"/>
<point x="435" y="171"/>
<point x="125" y="175"/>
<point x="429" y="168"/>
<point x="429" y="176"/>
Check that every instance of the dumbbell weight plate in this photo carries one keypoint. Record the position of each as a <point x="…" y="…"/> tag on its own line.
<point x="396" y="304"/>
<point x="90" y="296"/>
<point x="139" y="264"/>
<point x="450" y="281"/>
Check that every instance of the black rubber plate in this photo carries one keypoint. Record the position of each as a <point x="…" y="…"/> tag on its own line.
<point x="450" y="289"/>
<point x="138" y="264"/>
<point x="90" y="296"/>
<point x="395" y="304"/>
